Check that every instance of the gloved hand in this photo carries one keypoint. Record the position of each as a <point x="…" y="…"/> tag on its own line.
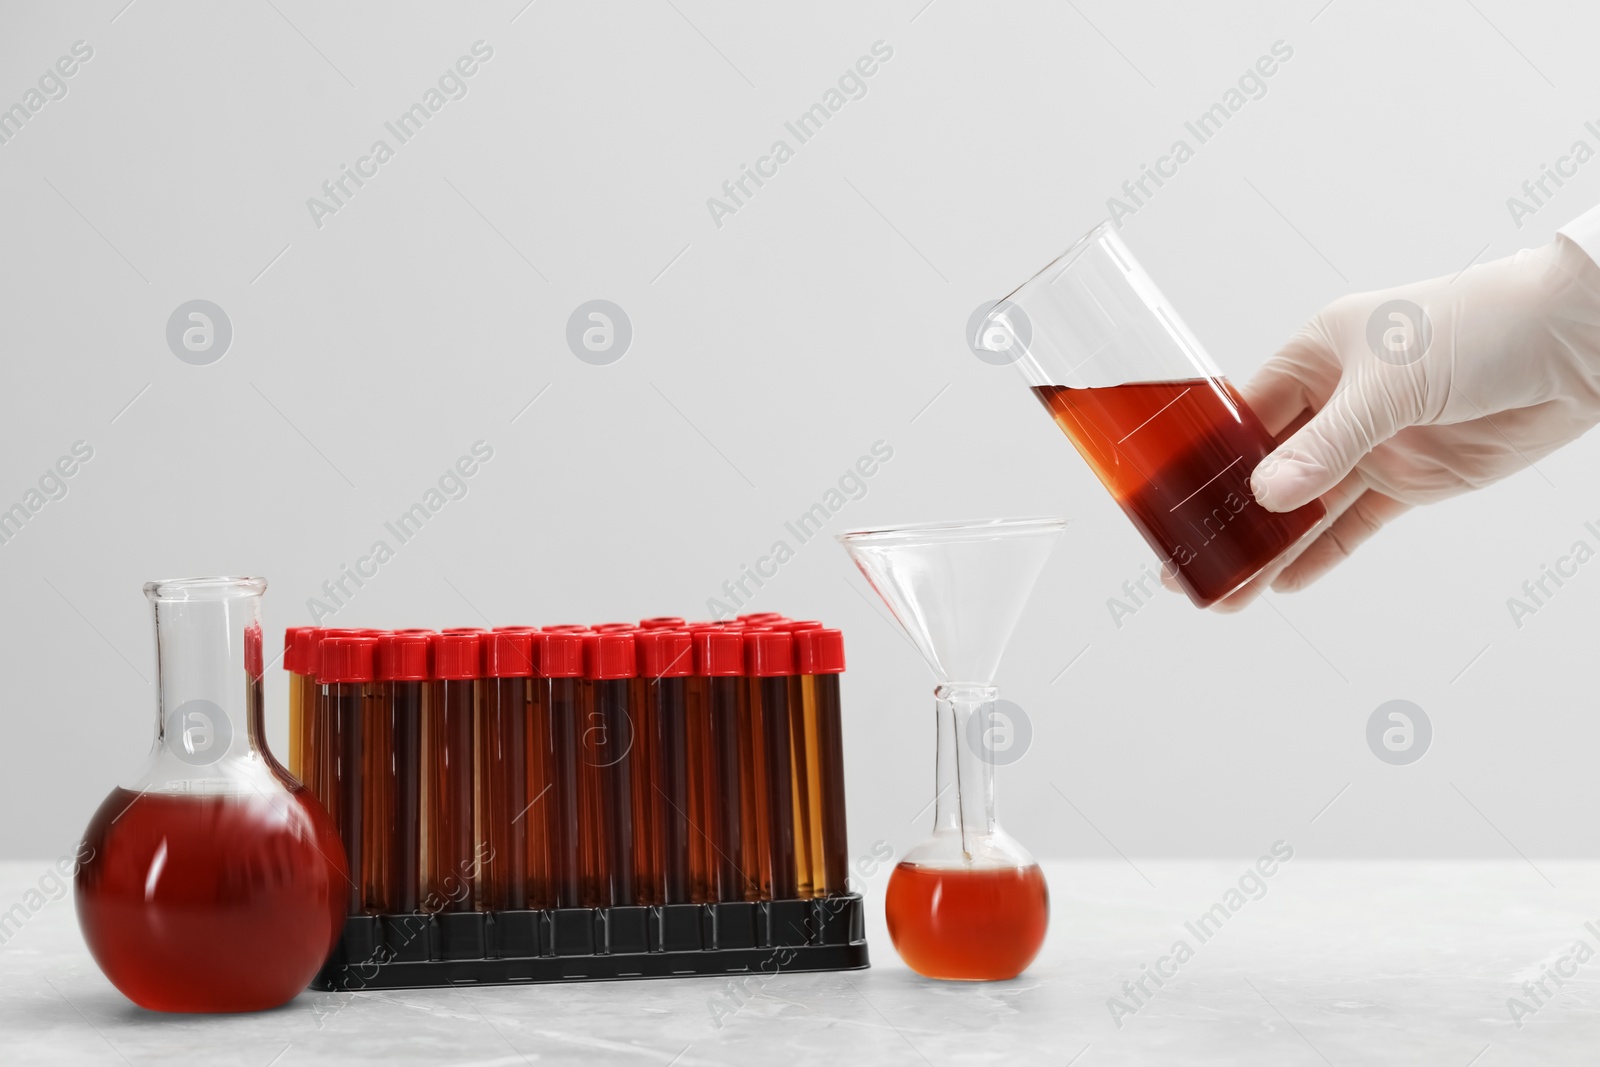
<point x="1415" y="394"/>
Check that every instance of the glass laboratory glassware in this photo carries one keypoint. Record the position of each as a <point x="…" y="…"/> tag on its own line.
<point x="819" y="659"/>
<point x="450" y="847"/>
<point x="1161" y="427"/>
<point x="210" y="883"/>
<point x="968" y="903"/>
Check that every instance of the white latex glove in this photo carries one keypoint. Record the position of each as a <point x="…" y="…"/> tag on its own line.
<point x="1394" y="414"/>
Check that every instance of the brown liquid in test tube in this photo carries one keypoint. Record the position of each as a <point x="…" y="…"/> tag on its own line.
<point x="719" y="661"/>
<point x="769" y="661"/>
<point x="307" y="655"/>
<point x="593" y="882"/>
<point x="805" y="769"/>
<point x="503" y="767"/>
<point x="754" y="815"/>
<point x="559" y="829"/>
<point x="346" y="676"/>
<point x="297" y="707"/>
<point x="321" y="752"/>
<point x="530" y="825"/>
<point x="314" y="741"/>
<point x="392" y="851"/>
<point x="666" y="660"/>
<point x="697" y="718"/>
<point x="643" y="757"/>
<point x="820" y="660"/>
<point x="450" y="844"/>
<point x="610" y="667"/>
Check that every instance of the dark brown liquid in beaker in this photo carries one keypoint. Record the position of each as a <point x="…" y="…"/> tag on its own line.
<point x="1177" y="456"/>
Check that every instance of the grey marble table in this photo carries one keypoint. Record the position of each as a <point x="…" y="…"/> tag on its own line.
<point x="1322" y="963"/>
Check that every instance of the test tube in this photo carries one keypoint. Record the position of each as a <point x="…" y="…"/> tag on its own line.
<point x="666" y="662"/>
<point x="297" y="708"/>
<point x="755" y="821"/>
<point x="346" y="674"/>
<point x="805" y="761"/>
<point x="449" y="847"/>
<point x="307" y="651"/>
<point x="538" y="788"/>
<point x="392" y="878"/>
<point x="820" y="660"/>
<point x="377" y="795"/>
<point x="321" y="753"/>
<point x="609" y="668"/>
<point x="562" y="824"/>
<point x="502" y="801"/>
<point x="719" y="660"/>
<point x="642" y="756"/>
<point x="697" y="717"/>
<point x="769" y="661"/>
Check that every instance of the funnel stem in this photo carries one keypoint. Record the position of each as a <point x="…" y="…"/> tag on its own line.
<point x="965" y="774"/>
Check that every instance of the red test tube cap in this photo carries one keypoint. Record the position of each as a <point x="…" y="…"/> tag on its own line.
<point x="346" y="659"/>
<point x="291" y="652"/>
<point x="508" y="654"/>
<point x="403" y="656"/>
<point x="456" y="654"/>
<point x="609" y="655"/>
<point x="307" y="641"/>
<point x="718" y="653"/>
<point x="662" y="622"/>
<point x="794" y="626"/>
<point x="819" y="651"/>
<point x="665" y="654"/>
<point x="768" y="653"/>
<point x="561" y="654"/>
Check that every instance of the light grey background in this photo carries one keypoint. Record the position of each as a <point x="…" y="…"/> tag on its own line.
<point x="767" y="355"/>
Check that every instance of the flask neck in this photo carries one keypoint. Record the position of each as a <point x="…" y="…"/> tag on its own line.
<point x="965" y="773"/>
<point x="209" y="688"/>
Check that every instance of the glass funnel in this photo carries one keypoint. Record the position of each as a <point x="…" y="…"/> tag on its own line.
<point x="212" y="881"/>
<point x="969" y="902"/>
<point x="1140" y="399"/>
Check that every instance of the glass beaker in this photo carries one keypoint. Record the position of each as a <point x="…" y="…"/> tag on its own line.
<point x="1142" y="402"/>
<point x="213" y="882"/>
<point x="968" y="903"/>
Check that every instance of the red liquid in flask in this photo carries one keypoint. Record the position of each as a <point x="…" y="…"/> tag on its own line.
<point x="211" y="903"/>
<point x="983" y="924"/>
<point x="1177" y="456"/>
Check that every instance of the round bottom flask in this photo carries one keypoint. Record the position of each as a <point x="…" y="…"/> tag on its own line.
<point x="969" y="903"/>
<point x="209" y="884"/>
